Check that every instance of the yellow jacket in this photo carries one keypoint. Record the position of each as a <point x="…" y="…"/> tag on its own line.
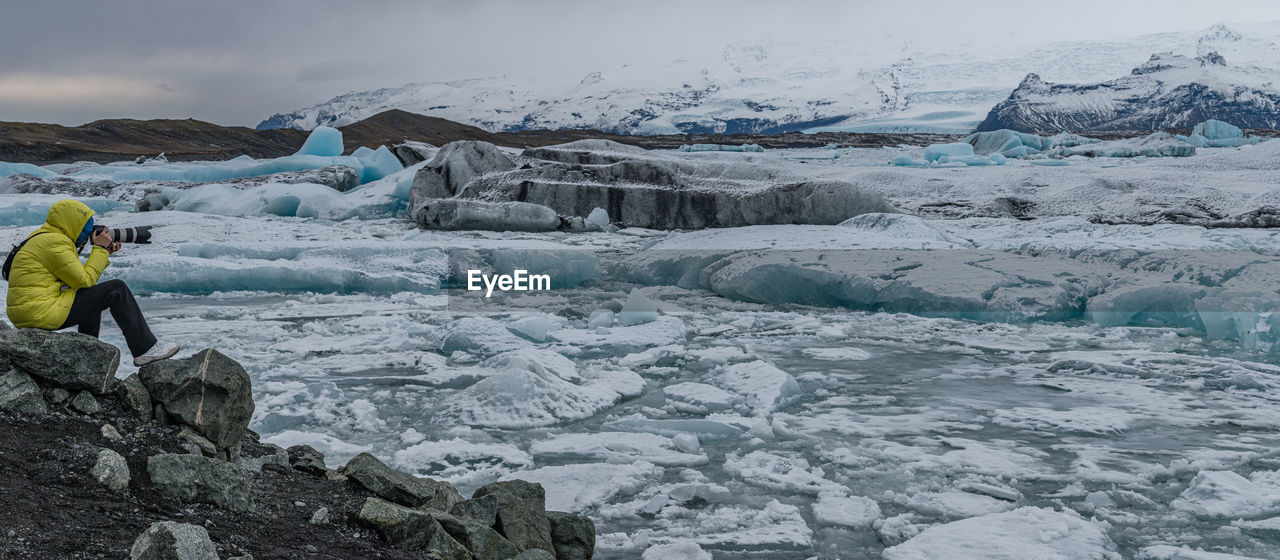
<point x="47" y="271"/>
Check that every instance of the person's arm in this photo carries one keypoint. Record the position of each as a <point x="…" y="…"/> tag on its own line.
<point x="62" y="261"/>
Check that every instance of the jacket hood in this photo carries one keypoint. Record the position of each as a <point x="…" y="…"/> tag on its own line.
<point x="69" y="217"/>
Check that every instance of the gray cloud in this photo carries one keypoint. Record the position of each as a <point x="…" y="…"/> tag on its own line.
<point x="235" y="62"/>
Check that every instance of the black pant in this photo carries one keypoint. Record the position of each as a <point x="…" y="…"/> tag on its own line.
<point x="86" y="311"/>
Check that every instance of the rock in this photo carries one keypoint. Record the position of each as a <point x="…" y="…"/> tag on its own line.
<point x="19" y="393"/>
<point x="161" y="417"/>
<point x="320" y="517"/>
<point x="205" y="446"/>
<point x="534" y="554"/>
<point x="72" y="360"/>
<point x="112" y="471"/>
<point x="168" y="540"/>
<point x="85" y="403"/>
<point x="192" y="478"/>
<point x="483" y="509"/>
<point x="306" y="459"/>
<point x="482" y="541"/>
<point x="410" y="529"/>
<point x="208" y="391"/>
<point x="455" y="165"/>
<point x="522" y="517"/>
<point x="398" y="487"/>
<point x="455" y="214"/>
<point x="574" y="536"/>
<point x="134" y="396"/>
<point x="57" y="395"/>
<point x="110" y="432"/>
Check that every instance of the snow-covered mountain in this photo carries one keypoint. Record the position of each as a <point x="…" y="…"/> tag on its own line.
<point x="773" y="86"/>
<point x="1167" y="91"/>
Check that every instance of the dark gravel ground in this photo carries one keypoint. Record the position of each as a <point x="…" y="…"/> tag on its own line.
<point x="52" y="507"/>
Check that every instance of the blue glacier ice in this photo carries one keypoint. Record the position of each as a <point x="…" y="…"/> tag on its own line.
<point x="324" y="141"/>
<point x="907" y="161"/>
<point x="7" y="169"/>
<point x="26" y="212"/>
<point x="1217" y="134"/>
<point x="371" y="165"/>
<point x="1007" y="143"/>
<point x="935" y="151"/>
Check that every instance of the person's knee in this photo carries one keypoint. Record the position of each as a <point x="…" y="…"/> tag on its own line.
<point x="116" y="285"/>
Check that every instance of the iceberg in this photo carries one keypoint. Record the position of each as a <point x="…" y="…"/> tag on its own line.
<point x="7" y="169"/>
<point x="370" y="166"/>
<point x="1029" y="532"/>
<point x="934" y="152"/>
<point x="323" y="141"/>
<point x="1217" y="134"/>
<point x="720" y="148"/>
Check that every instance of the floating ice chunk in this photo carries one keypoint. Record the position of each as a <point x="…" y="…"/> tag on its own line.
<point x="837" y="354"/>
<point x="1007" y="143"/>
<point x="665" y="330"/>
<point x="835" y="507"/>
<point x="538" y="360"/>
<point x="462" y="462"/>
<point x="907" y="161"/>
<point x="323" y="141"/>
<point x="637" y="310"/>
<point x="600" y="318"/>
<point x="479" y="336"/>
<point x="776" y="472"/>
<point x="955" y="505"/>
<point x="765" y="386"/>
<point x="936" y="151"/>
<point x="583" y="487"/>
<point x="7" y="169"/>
<point x="700" y="398"/>
<point x="600" y="218"/>
<point x="721" y="148"/>
<point x="1217" y="134"/>
<point x="1166" y="552"/>
<point x="688" y="443"/>
<point x="618" y="447"/>
<point x="1224" y="494"/>
<point x="679" y="550"/>
<point x="466" y="214"/>
<point x="31" y="210"/>
<point x="519" y="398"/>
<point x="704" y="429"/>
<point x="534" y="328"/>
<point x="1029" y="532"/>
<point x="775" y="524"/>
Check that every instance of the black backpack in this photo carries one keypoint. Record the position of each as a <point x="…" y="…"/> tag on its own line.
<point x="8" y="262"/>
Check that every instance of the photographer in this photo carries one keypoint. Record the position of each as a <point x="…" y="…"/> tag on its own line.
<point x="49" y="288"/>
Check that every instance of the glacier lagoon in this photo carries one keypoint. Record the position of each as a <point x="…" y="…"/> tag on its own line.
<point x="772" y="428"/>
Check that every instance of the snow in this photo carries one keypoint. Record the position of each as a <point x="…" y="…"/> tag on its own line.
<point x="1029" y="532"/>
<point x="683" y="550"/>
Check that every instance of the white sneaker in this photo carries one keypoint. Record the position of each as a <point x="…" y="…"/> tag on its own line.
<point x="158" y="351"/>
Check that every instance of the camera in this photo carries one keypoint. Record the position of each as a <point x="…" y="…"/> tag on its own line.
<point x="138" y="234"/>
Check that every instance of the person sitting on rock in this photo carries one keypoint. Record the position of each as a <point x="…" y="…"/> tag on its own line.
<point x="49" y="288"/>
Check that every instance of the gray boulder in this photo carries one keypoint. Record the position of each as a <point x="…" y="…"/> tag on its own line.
<point x="410" y="529"/>
<point x="111" y="471"/>
<point x="19" y="393"/>
<point x="85" y="403"/>
<point x="534" y="554"/>
<point x="483" y="509"/>
<point x="72" y="360"/>
<point x="456" y="214"/>
<point x="168" y="540"/>
<point x="482" y="541"/>
<point x="453" y="167"/>
<point x="208" y="391"/>
<point x="134" y="396"/>
<point x="401" y="488"/>
<point x="574" y="536"/>
<point x="193" y="478"/>
<point x="306" y="459"/>
<point x="522" y="517"/>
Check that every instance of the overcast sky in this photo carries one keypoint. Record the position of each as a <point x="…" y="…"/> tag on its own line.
<point x="236" y="62"/>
